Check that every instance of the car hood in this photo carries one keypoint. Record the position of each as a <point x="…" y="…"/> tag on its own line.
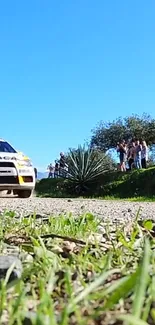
<point x="13" y="156"/>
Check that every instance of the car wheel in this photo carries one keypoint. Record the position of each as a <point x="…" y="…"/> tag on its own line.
<point x="24" y="194"/>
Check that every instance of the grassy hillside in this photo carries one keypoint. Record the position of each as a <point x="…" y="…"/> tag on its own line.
<point x="136" y="183"/>
<point x="139" y="183"/>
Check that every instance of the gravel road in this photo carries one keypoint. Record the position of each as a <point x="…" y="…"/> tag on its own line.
<point x="122" y="211"/>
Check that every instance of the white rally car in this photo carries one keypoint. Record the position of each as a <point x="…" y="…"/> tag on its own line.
<point x="16" y="171"/>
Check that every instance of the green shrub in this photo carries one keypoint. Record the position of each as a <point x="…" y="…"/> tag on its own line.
<point x="86" y="167"/>
<point x="137" y="183"/>
<point x="51" y="187"/>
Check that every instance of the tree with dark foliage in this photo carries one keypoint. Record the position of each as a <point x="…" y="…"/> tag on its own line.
<point x="107" y="134"/>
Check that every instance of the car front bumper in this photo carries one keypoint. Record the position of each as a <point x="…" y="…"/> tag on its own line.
<point x="14" y="176"/>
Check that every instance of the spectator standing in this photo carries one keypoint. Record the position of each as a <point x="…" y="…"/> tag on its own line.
<point x="122" y="149"/>
<point x="131" y="154"/>
<point x="144" y="154"/>
<point x="51" y="171"/>
<point x="62" y="164"/>
<point x="56" y="170"/>
<point x="118" y="158"/>
<point x="138" y="155"/>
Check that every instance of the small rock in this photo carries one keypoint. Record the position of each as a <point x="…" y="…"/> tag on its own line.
<point x="25" y="257"/>
<point x="30" y="318"/>
<point x="74" y="276"/>
<point x="69" y="200"/>
<point x="68" y="246"/>
<point x="129" y="210"/>
<point x="37" y="216"/>
<point x="6" y="262"/>
<point x="27" y="321"/>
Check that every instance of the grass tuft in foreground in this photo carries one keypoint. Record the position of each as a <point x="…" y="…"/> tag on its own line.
<point x="79" y="271"/>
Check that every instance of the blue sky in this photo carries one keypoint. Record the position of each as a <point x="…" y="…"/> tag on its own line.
<point x="66" y="65"/>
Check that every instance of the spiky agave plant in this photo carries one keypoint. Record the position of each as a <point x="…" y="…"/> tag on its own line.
<point x="85" y="167"/>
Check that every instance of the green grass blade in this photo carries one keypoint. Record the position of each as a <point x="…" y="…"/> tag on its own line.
<point x="8" y="274"/>
<point x="120" y="289"/>
<point x="92" y="286"/>
<point x="153" y="288"/>
<point x="147" y="308"/>
<point x="133" y="320"/>
<point x="142" y="283"/>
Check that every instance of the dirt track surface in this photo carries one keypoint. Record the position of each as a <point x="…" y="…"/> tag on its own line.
<point x="122" y="211"/>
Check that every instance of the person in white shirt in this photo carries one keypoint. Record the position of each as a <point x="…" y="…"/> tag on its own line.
<point x="144" y="154"/>
<point x="138" y="155"/>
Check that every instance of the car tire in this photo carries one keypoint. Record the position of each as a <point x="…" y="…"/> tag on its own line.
<point x="24" y="194"/>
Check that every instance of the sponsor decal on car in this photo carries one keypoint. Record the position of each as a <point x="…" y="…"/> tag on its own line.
<point x="8" y="158"/>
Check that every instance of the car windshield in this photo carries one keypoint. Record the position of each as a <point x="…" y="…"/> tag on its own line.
<point x="5" y="147"/>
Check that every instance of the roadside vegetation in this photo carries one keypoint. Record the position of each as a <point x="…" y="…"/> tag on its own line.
<point x="138" y="185"/>
<point x="93" y="172"/>
<point x="79" y="271"/>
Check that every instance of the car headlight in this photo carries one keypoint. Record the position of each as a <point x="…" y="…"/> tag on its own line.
<point x="24" y="163"/>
